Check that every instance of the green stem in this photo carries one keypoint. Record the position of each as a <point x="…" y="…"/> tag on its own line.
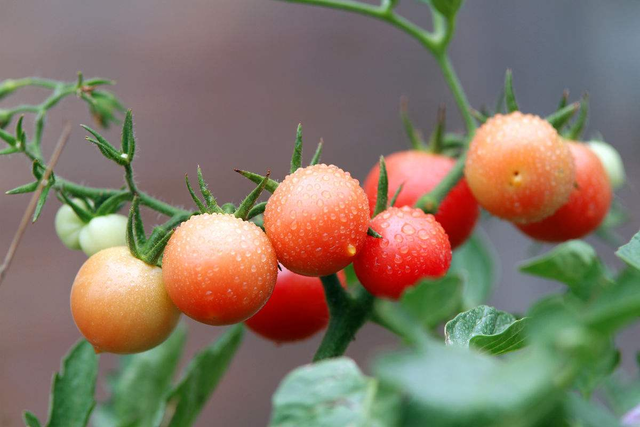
<point x="430" y="202"/>
<point x="458" y="92"/>
<point x="348" y="314"/>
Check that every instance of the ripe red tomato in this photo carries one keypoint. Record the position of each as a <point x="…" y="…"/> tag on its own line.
<point x="296" y="310"/>
<point x="518" y="168"/>
<point x="413" y="246"/>
<point x="588" y="205"/>
<point x="421" y="172"/>
<point x="219" y="269"/>
<point x="119" y="303"/>
<point x="317" y="220"/>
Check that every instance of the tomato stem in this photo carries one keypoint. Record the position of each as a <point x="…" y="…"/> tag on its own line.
<point x="430" y="202"/>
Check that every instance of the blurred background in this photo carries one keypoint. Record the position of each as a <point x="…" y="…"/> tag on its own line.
<point x="223" y="84"/>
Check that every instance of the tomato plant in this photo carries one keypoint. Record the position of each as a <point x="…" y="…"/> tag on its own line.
<point x="275" y="265"/>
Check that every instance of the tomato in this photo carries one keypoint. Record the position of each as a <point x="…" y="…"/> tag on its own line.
<point x="317" y="220"/>
<point x="119" y="303"/>
<point x="413" y="245"/>
<point x="588" y="205"/>
<point x="219" y="269"/>
<point x="611" y="161"/>
<point x="68" y="225"/>
<point x="296" y="310"/>
<point x="103" y="232"/>
<point x="518" y="168"/>
<point x="420" y="172"/>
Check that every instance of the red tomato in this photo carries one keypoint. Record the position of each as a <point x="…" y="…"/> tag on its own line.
<point x="219" y="269"/>
<point x="296" y="310"/>
<point x="317" y="220"/>
<point x="588" y="205"/>
<point x="119" y="303"/>
<point x="413" y="246"/>
<point x="421" y="172"/>
<point x="518" y="168"/>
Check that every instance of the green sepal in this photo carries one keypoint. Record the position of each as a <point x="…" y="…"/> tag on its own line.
<point x="250" y="200"/>
<point x="113" y="203"/>
<point x="160" y="231"/>
<point x="575" y="131"/>
<point x="153" y="255"/>
<point x="410" y="130"/>
<point x="562" y="116"/>
<point x="564" y="100"/>
<point x="30" y="420"/>
<point x="21" y="136"/>
<point x="201" y="207"/>
<point x="256" y="178"/>
<point x="436" y="143"/>
<point x="316" y="156"/>
<point x="84" y="215"/>
<point x="41" y="201"/>
<point x="479" y="116"/>
<point x="105" y="147"/>
<point x="509" y="95"/>
<point x="128" y="139"/>
<point x="96" y="81"/>
<point x="103" y="106"/>
<point x="383" y="189"/>
<point x="229" y="208"/>
<point x="395" y="195"/>
<point x="499" y="105"/>
<point x="9" y="150"/>
<point x="7" y="137"/>
<point x="27" y="188"/>
<point x="133" y="228"/>
<point x="373" y="233"/>
<point x="448" y="8"/>
<point x="210" y="201"/>
<point x="296" y="158"/>
<point x="258" y="209"/>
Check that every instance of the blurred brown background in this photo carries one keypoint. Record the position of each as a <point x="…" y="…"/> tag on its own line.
<point x="224" y="83"/>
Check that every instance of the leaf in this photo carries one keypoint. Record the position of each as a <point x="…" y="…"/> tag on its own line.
<point x="140" y="388"/>
<point x="593" y="376"/>
<point x="383" y="189"/>
<point x="31" y="420"/>
<point x="509" y="95"/>
<point x="202" y="376"/>
<point x="296" y="158"/>
<point x="487" y="330"/>
<point x="433" y="301"/>
<point x="475" y="263"/>
<point x="617" y="304"/>
<point x="589" y="413"/>
<point x="570" y="263"/>
<point x="332" y="393"/>
<point x="630" y="253"/>
<point x="449" y="8"/>
<point x="73" y="388"/>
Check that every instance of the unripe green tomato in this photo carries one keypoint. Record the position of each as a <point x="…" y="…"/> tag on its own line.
<point x="68" y="225"/>
<point x="103" y="232"/>
<point x="611" y="161"/>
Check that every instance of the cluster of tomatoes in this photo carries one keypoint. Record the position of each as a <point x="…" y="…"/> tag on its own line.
<point x="219" y="269"/>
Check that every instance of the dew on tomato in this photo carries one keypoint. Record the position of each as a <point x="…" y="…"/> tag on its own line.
<point x="420" y="172"/>
<point x="587" y="206"/>
<point x="518" y="168"/>
<point x="317" y="220"/>
<point x="413" y="246"/>
<point x="120" y="304"/>
<point x="219" y="269"/>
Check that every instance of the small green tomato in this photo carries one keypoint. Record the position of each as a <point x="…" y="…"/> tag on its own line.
<point x="611" y="161"/>
<point x="68" y="225"/>
<point x="103" y="232"/>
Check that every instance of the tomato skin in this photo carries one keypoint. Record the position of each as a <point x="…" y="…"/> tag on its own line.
<point x="103" y="232"/>
<point x="518" y="168"/>
<point x="317" y="220"/>
<point x="68" y="225"/>
<point x="421" y="172"/>
<point x="296" y="310"/>
<point x="219" y="269"/>
<point x="413" y="245"/>
<point x="611" y="161"/>
<point x="119" y="303"/>
<point x="588" y="205"/>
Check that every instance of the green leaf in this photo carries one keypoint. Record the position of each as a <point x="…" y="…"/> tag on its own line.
<point x="591" y="377"/>
<point x="509" y="95"/>
<point x="585" y="413"/>
<point x="487" y="330"/>
<point x="571" y="263"/>
<point x="31" y="420"/>
<point x="449" y="8"/>
<point x="475" y="262"/>
<point x="254" y="177"/>
<point x="202" y="376"/>
<point x="433" y="301"/>
<point x="617" y="304"/>
<point x="73" y="388"/>
<point x="622" y="393"/>
<point x="140" y="388"/>
<point x="332" y="393"/>
<point x="296" y="158"/>
<point x="383" y="189"/>
<point x="630" y="253"/>
<point x="316" y="156"/>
